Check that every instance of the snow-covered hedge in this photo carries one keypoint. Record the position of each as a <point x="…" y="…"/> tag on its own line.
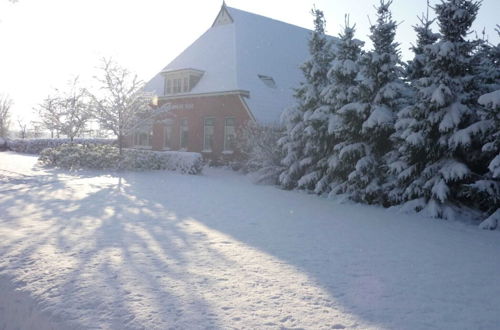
<point x="184" y="162"/>
<point x="35" y="146"/>
<point x="75" y="156"/>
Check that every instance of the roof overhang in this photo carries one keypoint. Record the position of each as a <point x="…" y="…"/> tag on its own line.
<point x="242" y="93"/>
<point x="187" y="70"/>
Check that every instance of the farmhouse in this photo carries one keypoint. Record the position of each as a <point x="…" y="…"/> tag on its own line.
<point x="243" y="68"/>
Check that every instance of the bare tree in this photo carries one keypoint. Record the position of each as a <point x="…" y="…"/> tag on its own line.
<point x="121" y="105"/>
<point x="23" y="128"/>
<point x="49" y="116"/>
<point x="36" y="130"/>
<point x="5" y="104"/>
<point x="74" y="110"/>
<point x="68" y="112"/>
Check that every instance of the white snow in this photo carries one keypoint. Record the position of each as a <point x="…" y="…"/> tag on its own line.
<point x="440" y="95"/>
<point x="494" y="166"/>
<point x="491" y="99"/>
<point x="161" y="250"/>
<point x="453" y="170"/>
<point x="492" y="222"/>
<point x="380" y="116"/>
<point x="453" y="116"/>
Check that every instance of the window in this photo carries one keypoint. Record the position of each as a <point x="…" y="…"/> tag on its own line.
<point x="208" y="136"/>
<point x="143" y="138"/>
<point x="181" y="80"/>
<point x="184" y="133"/>
<point x="168" y="136"/>
<point x="169" y="87"/>
<point x="268" y="81"/>
<point x="177" y="86"/>
<point x="229" y="135"/>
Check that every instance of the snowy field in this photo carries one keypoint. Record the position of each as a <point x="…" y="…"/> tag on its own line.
<point x="159" y="250"/>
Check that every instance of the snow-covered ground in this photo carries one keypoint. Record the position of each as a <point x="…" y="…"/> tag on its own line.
<point x="161" y="250"/>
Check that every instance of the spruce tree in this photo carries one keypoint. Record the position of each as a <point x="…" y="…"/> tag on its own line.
<point x="367" y="125"/>
<point x="486" y="189"/>
<point x="415" y="70"/>
<point x="342" y="89"/>
<point x="439" y="148"/>
<point x="303" y="123"/>
<point x="425" y="37"/>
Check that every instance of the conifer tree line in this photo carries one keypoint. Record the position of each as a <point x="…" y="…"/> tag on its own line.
<point x="423" y="134"/>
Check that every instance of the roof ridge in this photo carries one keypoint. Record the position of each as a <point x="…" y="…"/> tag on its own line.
<point x="235" y="54"/>
<point x="265" y="17"/>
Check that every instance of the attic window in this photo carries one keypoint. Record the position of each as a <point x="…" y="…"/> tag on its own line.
<point x="181" y="81"/>
<point x="268" y="81"/>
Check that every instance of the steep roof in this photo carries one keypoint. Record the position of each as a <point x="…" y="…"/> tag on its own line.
<point x="242" y="51"/>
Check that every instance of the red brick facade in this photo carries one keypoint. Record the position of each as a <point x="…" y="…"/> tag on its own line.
<point x="194" y="110"/>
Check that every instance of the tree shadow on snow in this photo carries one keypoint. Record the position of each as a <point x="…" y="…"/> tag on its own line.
<point x="139" y="250"/>
<point x="102" y="260"/>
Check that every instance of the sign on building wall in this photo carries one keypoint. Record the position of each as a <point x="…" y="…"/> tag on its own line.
<point x="175" y="106"/>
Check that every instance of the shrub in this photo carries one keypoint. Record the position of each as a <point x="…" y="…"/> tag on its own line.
<point x="35" y="146"/>
<point x="76" y="156"/>
<point x="184" y="162"/>
<point x="261" y="152"/>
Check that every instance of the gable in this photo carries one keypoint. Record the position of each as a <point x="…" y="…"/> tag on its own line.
<point x="223" y="18"/>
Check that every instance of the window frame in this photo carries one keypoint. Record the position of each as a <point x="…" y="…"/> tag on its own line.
<point x="168" y="86"/>
<point x="211" y="147"/>
<point x="181" y="131"/>
<point x="138" y="135"/>
<point x="226" y="148"/>
<point x="167" y="136"/>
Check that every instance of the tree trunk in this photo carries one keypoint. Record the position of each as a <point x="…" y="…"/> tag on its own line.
<point x="120" y="143"/>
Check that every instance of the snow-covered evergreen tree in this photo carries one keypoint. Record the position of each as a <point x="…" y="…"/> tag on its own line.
<point x="366" y="125"/>
<point x="304" y="126"/>
<point x="487" y="188"/>
<point x="415" y="70"/>
<point x="487" y="65"/>
<point x="425" y="37"/>
<point x="342" y="89"/>
<point x="440" y="151"/>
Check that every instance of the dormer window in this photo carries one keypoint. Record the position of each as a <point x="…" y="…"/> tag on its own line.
<point x="268" y="81"/>
<point x="181" y="81"/>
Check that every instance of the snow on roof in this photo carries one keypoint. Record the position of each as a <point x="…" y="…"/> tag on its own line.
<point x="235" y="55"/>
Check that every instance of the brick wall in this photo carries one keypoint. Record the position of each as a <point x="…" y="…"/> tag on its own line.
<point x="195" y="110"/>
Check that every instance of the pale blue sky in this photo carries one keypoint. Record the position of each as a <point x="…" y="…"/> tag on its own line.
<point x="45" y="43"/>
